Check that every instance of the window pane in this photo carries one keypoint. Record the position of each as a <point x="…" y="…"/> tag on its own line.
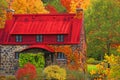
<point x="60" y="55"/>
<point x="16" y="55"/>
<point x="18" y="38"/>
<point x="39" y="38"/>
<point x="60" y="38"/>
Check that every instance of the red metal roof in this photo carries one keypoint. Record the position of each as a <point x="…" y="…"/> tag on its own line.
<point x="42" y="24"/>
<point x="1" y="32"/>
<point x="41" y="27"/>
<point x="49" y="24"/>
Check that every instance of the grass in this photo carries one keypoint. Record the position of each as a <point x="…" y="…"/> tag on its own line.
<point x="91" y="67"/>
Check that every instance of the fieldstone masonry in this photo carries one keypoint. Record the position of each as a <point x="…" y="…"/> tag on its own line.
<point x="7" y="57"/>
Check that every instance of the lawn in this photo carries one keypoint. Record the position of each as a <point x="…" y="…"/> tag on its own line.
<point x="91" y="67"/>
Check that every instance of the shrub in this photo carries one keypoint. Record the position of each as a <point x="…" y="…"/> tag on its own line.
<point x="35" y="59"/>
<point x="92" y="61"/>
<point x="54" y="72"/>
<point x="101" y="72"/>
<point x="28" y="71"/>
<point x="114" y="62"/>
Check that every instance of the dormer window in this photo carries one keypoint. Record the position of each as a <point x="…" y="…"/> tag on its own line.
<point x="39" y="38"/>
<point x="18" y="38"/>
<point x="60" y="38"/>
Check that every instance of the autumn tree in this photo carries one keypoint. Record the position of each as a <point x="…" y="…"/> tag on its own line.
<point x="102" y="22"/>
<point x="71" y="5"/>
<point x="28" y="6"/>
<point x="56" y="4"/>
<point x="3" y="6"/>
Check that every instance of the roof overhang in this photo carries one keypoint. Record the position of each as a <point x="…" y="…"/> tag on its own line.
<point x="45" y="47"/>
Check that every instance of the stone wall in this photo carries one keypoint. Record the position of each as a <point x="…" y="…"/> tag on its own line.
<point x="7" y="58"/>
<point x="81" y="48"/>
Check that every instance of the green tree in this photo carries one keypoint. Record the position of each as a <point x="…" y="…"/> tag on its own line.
<point x="56" y="4"/>
<point x="102" y="22"/>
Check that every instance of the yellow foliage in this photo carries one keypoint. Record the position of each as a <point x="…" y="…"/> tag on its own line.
<point x="2" y="20"/>
<point x="101" y="73"/>
<point x="114" y="61"/>
<point x="111" y="59"/>
<point x="54" y="72"/>
<point x="111" y="73"/>
<point x="79" y="4"/>
<point x="118" y="49"/>
<point x="92" y="72"/>
<point x="28" y="7"/>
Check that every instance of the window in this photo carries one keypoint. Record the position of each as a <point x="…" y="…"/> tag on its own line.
<point x="39" y="38"/>
<point x="60" y="38"/>
<point x="16" y="55"/>
<point x="18" y="38"/>
<point x="61" y="59"/>
<point x="60" y="55"/>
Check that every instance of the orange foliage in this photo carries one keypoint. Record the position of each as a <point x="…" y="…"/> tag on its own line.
<point x="9" y="15"/>
<point x="66" y="4"/>
<point x="71" y="5"/>
<point x="74" y="61"/>
<point x="115" y="45"/>
<point x="79" y="15"/>
<point x="2" y="20"/>
<point x="118" y="49"/>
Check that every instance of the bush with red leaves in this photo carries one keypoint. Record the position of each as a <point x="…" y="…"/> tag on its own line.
<point x="28" y="71"/>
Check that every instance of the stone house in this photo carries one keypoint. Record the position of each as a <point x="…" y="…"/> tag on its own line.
<point x="52" y="34"/>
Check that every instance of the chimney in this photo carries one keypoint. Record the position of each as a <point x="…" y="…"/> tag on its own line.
<point x="79" y="13"/>
<point x="9" y="11"/>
